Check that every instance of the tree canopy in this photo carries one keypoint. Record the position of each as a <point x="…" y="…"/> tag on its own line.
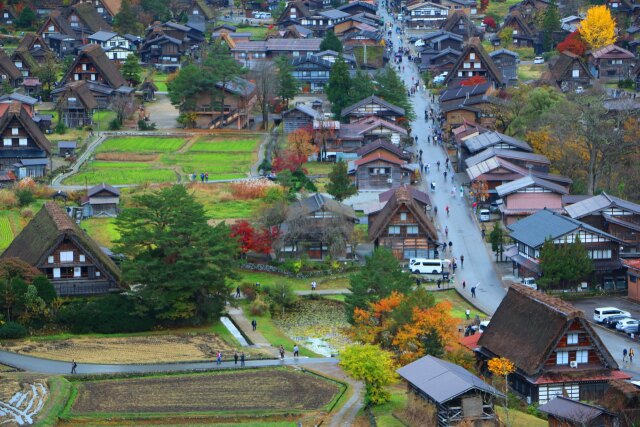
<point x="372" y="365"/>
<point x="180" y="262"/>
<point x="287" y="86"/>
<point x="131" y="69"/>
<point x="331" y="42"/>
<point x="338" y="87"/>
<point x="126" y="21"/>
<point x="598" y="28"/>
<point x="340" y="185"/>
<point x="564" y="264"/>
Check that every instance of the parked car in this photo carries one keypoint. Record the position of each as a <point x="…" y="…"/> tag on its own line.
<point x="611" y="322"/>
<point x="579" y="89"/>
<point x="495" y="206"/>
<point x="529" y="282"/>
<point x="485" y="215"/>
<point x="627" y="325"/>
<point x="538" y="60"/>
<point x="601" y="313"/>
<point x="419" y="43"/>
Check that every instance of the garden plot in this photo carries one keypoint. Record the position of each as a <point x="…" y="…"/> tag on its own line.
<point x="6" y="234"/>
<point x="253" y="390"/>
<point x="22" y="408"/>
<point x="319" y="325"/>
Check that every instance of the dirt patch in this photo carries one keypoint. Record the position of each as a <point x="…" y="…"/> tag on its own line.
<point x="127" y="157"/>
<point x="251" y="390"/>
<point x="144" y="349"/>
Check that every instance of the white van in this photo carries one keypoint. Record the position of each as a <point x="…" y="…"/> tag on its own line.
<point x="530" y="282"/>
<point x="426" y="266"/>
<point x="485" y="215"/>
<point x="601" y="313"/>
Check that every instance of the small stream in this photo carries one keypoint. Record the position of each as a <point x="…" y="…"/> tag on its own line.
<point x="234" y="331"/>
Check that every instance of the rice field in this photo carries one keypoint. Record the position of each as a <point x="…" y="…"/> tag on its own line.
<point x="6" y="233"/>
<point x="216" y="164"/>
<point x="141" y="144"/>
<point x="120" y="173"/>
<point x="225" y="145"/>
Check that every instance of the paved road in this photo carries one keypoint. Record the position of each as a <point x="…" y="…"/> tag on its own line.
<point x="44" y="366"/>
<point x="463" y="230"/>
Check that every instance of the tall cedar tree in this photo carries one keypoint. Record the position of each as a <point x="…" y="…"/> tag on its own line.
<point x="550" y="24"/>
<point x="391" y="89"/>
<point x="380" y="276"/>
<point x="131" y="69"/>
<point x="47" y="72"/>
<point x="361" y="87"/>
<point x="27" y="18"/>
<point x="126" y="21"/>
<point x="182" y="263"/>
<point x="338" y="88"/>
<point x="221" y="69"/>
<point x="331" y="42"/>
<point x="183" y="89"/>
<point x="340" y="185"/>
<point x="564" y="264"/>
<point x="287" y="84"/>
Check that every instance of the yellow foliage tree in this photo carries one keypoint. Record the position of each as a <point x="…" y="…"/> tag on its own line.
<point x="300" y="141"/>
<point x="374" y="366"/>
<point x="501" y="366"/>
<point x="598" y="28"/>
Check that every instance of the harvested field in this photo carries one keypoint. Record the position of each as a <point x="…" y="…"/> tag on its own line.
<point x="135" y="349"/>
<point x="237" y="391"/>
<point x="141" y="144"/>
<point x="127" y="157"/>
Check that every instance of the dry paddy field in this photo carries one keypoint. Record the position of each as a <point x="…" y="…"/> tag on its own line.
<point x="135" y="349"/>
<point x="252" y="390"/>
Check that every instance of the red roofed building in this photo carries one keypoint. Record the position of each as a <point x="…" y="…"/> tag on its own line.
<point x="381" y="169"/>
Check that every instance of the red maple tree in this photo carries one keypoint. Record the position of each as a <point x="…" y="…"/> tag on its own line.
<point x="289" y="160"/>
<point x="489" y="22"/>
<point x="573" y="43"/>
<point x="252" y="239"/>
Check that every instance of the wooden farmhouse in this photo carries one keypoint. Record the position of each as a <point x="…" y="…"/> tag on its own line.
<point x="101" y="201"/>
<point x="474" y="62"/>
<point x="372" y="106"/>
<point x="54" y="244"/>
<point x="76" y="104"/>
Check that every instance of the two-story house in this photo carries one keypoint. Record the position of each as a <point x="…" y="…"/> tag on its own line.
<point x="426" y="15"/>
<point x="474" y="62"/>
<point x="351" y="136"/>
<point x="461" y="24"/>
<point x="7" y="15"/>
<point x="527" y="195"/>
<point x="254" y="51"/>
<point x="25" y="150"/>
<point x="372" y="106"/>
<point x="240" y="96"/>
<point x="530" y="233"/>
<point x="319" y="227"/>
<point x="507" y="62"/>
<point x="312" y="72"/>
<point x="24" y="62"/>
<point x="402" y="226"/>
<point x="76" y="104"/>
<point x="35" y="45"/>
<point x="9" y="73"/>
<point x="611" y="63"/>
<point x="116" y="47"/>
<point x="382" y="165"/>
<point x="162" y="51"/>
<point x="616" y="216"/>
<point x="300" y="116"/>
<point x="107" y="9"/>
<point x="523" y="34"/>
<point x="475" y="144"/>
<point x="54" y="244"/>
<point x="553" y="346"/>
<point x="569" y="72"/>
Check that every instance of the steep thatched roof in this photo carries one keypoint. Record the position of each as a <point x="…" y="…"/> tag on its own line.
<point x="527" y="326"/>
<point x="79" y="90"/>
<point x="474" y="46"/>
<point x="16" y="111"/>
<point x="46" y="230"/>
<point x="102" y="63"/>
<point x="8" y="67"/>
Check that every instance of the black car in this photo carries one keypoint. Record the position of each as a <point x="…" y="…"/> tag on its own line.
<point x="610" y="322"/>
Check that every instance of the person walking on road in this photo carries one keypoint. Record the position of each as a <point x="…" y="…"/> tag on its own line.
<point x="461" y="261"/>
<point x="468" y="313"/>
<point x="296" y="350"/>
<point x="445" y="176"/>
<point x="281" y="353"/>
<point x="313" y="285"/>
<point x="74" y="365"/>
<point x="242" y="359"/>
<point x="254" y="324"/>
<point x="219" y="359"/>
<point x="624" y="354"/>
<point x="473" y="292"/>
<point x="446" y="231"/>
<point x="631" y="354"/>
<point x="238" y="292"/>
<point x="447" y="209"/>
<point x="235" y="358"/>
<point x="438" y="165"/>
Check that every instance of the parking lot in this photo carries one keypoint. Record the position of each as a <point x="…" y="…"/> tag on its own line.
<point x="589" y="304"/>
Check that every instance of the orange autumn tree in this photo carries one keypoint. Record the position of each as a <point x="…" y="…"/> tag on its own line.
<point x="408" y="325"/>
<point x="300" y="142"/>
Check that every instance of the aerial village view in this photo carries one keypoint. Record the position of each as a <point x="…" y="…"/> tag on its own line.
<point x="320" y="213"/>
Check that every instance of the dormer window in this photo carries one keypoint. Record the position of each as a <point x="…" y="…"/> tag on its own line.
<point x="572" y="339"/>
<point x="84" y="67"/>
<point x="15" y="131"/>
<point x="472" y="56"/>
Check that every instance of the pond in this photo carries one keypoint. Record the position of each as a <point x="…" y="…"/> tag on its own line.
<point x="319" y="325"/>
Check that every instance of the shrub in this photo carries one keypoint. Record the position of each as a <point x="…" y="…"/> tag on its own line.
<point x="12" y="330"/>
<point x="144" y="125"/>
<point x="61" y="128"/>
<point x="25" y="197"/>
<point x="26" y="213"/>
<point x="252" y="188"/>
<point x="27" y="183"/>
<point x="626" y="84"/>
<point x="8" y="199"/>
<point x="249" y="291"/>
<point x="115" y="124"/>
<point x="259" y="306"/>
<point x="108" y="314"/>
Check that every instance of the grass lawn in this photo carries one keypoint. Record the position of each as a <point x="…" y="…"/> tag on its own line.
<point x="326" y="282"/>
<point x="530" y="72"/>
<point x="518" y="418"/>
<point x="160" y="80"/>
<point x="217" y="165"/>
<point x="231" y="209"/>
<point x="318" y="168"/>
<point x="223" y="144"/>
<point x="500" y="8"/>
<point x="102" y="230"/>
<point x="104" y="117"/>
<point x="116" y="173"/>
<point x="140" y="144"/>
<point x="271" y="332"/>
<point x="459" y="304"/>
<point x="384" y="413"/>
<point x="6" y="232"/>
<point x="257" y="33"/>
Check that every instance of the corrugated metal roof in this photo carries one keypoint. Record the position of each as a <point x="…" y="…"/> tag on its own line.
<point x="483" y="167"/>
<point x="599" y="202"/>
<point x="571" y="410"/>
<point x="441" y="380"/>
<point x="526" y="181"/>
<point x="489" y="139"/>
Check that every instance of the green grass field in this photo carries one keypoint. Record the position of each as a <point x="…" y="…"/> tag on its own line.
<point x="519" y="418"/>
<point x="384" y="413"/>
<point x="530" y="72"/>
<point x="117" y="173"/>
<point x="103" y="117"/>
<point x="102" y="230"/>
<point x="324" y="283"/>
<point x="217" y="165"/>
<point x="140" y="144"/>
<point x="318" y="168"/>
<point x="231" y="209"/>
<point x="500" y="8"/>
<point x="460" y="305"/>
<point x="225" y="145"/>
<point x="6" y="234"/>
<point x="160" y="80"/>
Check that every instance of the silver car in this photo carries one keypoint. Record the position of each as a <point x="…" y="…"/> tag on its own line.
<point x="628" y="326"/>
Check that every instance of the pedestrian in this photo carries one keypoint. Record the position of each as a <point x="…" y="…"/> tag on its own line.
<point x="238" y="292"/>
<point x="454" y="266"/>
<point x="202" y="176"/>
<point x="624" y="354"/>
<point x="257" y="286"/>
<point x="219" y="358"/>
<point x="483" y="231"/>
<point x="468" y="313"/>
<point x="281" y="353"/>
<point x="235" y="358"/>
<point x="435" y="210"/>
<point x="254" y="324"/>
<point x="438" y="165"/>
<point x="473" y="292"/>
<point x="461" y="261"/>
<point x="74" y="365"/>
<point x="445" y="176"/>
<point x="631" y="354"/>
<point x="417" y="282"/>
<point x="464" y="285"/>
<point x="206" y="177"/>
<point x="446" y="230"/>
<point x="296" y="350"/>
<point x="242" y="359"/>
<point x="439" y="282"/>
<point x="450" y="245"/>
<point x="447" y="209"/>
<point x="313" y="286"/>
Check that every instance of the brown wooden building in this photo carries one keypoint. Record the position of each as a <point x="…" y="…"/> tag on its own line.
<point x="403" y="226"/>
<point x="564" y="412"/>
<point x="381" y="170"/>
<point x="372" y="106"/>
<point x="474" y="62"/>
<point x="553" y="346"/>
<point x="76" y="105"/>
<point x="240" y="97"/>
<point x="54" y="244"/>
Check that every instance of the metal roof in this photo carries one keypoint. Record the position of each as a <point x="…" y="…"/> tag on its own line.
<point x="525" y="181"/>
<point x="571" y="410"/>
<point x="489" y="139"/>
<point x="441" y="380"/>
<point x="599" y="202"/>
<point x="483" y="167"/>
<point x="103" y="36"/>
<point x="333" y="14"/>
<point x="507" y="154"/>
<point x="545" y="224"/>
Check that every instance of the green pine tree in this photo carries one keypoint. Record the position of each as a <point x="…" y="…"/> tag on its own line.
<point x="339" y="86"/>
<point x="391" y="88"/>
<point x="126" y="21"/>
<point x="27" y="18"/>
<point x="287" y="86"/>
<point x="331" y="42"/>
<point x="361" y="87"/>
<point x="131" y="69"/>
<point x="550" y="24"/>
<point x="340" y="185"/>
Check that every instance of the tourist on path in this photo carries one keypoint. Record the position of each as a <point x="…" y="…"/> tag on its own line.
<point x="624" y="354"/>
<point x="219" y="358"/>
<point x="281" y="353"/>
<point x="468" y="313"/>
<point x="631" y="354"/>
<point x="242" y="359"/>
<point x="235" y="358"/>
<point x="473" y="292"/>
<point x="238" y="292"/>
<point x="254" y="324"/>
<point x="313" y="285"/>
<point x="74" y="365"/>
<point x="296" y="350"/>
<point x="461" y="261"/>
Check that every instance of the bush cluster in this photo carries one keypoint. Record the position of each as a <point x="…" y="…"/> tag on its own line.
<point x="12" y="331"/>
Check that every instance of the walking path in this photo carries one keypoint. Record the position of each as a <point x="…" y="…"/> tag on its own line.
<point x="255" y="337"/>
